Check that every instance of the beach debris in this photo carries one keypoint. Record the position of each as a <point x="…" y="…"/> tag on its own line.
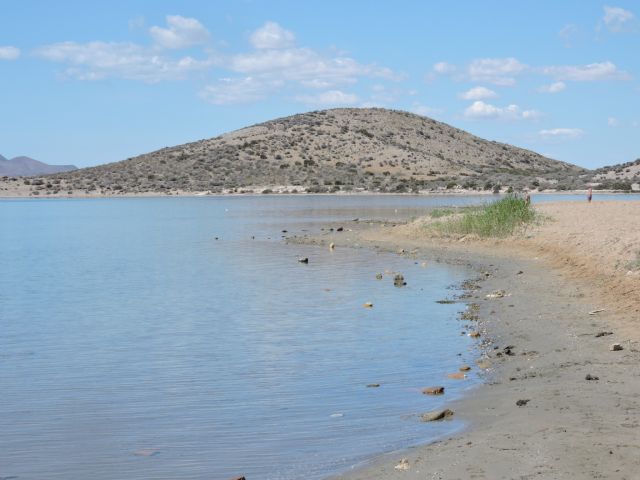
<point x="464" y="368"/>
<point x="146" y="452"/>
<point x="474" y="334"/>
<point x="498" y="294"/>
<point x="508" y="350"/>
<point x="446" y="301"/>
<point x="616" y="347"/>
<point x="523" y="402"/>
<point x="368" y="305"/>
<point x="403" y="465"/>
<point x="398" y="280"/>
<point x="591" y="377"/>
<point x="433" y="390"/>
<point x="378" y="276"/>
<point x="436" y="415"/>
<point x="603" y="334"/>
<point x="594" y="312"/>
<point x="332" y="246"/>
<point x="457" y="376"/>
<point x="339" y="229"/>
<point x="303" y="260"/>
<point x="373" y="385"/>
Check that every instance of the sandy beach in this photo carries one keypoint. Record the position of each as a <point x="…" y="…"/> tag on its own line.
<point x="558" y="401"/>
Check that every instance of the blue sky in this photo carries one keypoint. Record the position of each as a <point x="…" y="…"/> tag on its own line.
<point x="88" y="83"/>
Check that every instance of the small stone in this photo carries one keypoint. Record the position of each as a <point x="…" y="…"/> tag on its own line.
<point x="436" y="415"/>
<point x="591" y="377"/>
<point x="522" y="403"/>
<point x="378" y="276"/>
<point x="239" y="478"/>
<point x="465" y="368"/>
<point x="403" y="465"/>
<point x="433" y="391"/>
<point x="603" y="334"/>
<point x="457" y="376"/>
<point x="373" y="385"/>
<point x="398" y="280"/>
<point x="616" y="347"/>
<point x="303" y="260"/>
<point x="332" y="246"/>
<point x="339" y="229"/>
<point x="402" y="251"/>
<point x="368" y="305"/>
<point x="474" y="334"/>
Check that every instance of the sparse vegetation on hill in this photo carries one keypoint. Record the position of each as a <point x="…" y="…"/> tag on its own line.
<point x="375" y="150"/>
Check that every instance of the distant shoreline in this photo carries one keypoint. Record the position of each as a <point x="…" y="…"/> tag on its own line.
<point x="452" y="192"/>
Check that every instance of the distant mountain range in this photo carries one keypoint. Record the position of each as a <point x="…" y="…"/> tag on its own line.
<point x="28" y="167"/>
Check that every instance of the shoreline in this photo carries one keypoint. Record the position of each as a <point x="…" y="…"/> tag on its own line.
<point x="565" y="426"/>
<point x="189" y="194"/>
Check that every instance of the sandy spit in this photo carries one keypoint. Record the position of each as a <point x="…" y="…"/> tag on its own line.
<point x="572" y="290"/>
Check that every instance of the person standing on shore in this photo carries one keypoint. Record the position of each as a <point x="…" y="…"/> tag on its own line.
<point x="589" y="194"/>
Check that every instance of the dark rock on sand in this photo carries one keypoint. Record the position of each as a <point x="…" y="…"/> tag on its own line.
<point x="603" y="334"/>
<point x="436" y="415"/>
<point x="523" y="402"/>
<point x="591" y="377"/>
<point x="616" y="347"/>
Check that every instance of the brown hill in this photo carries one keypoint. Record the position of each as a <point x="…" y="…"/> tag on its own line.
<point x="342" y="149"/>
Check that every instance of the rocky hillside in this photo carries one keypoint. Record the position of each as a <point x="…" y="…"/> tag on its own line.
<point x="332" y="150"/>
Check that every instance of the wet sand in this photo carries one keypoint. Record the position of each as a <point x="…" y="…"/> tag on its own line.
<point x="537" y="415"/>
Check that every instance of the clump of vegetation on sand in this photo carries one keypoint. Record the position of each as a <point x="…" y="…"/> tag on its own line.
<point x="498" y="219"/>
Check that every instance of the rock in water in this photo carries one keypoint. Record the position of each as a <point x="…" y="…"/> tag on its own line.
<point x="373" y="385"/>
<point x="368" y="305"/>
<point x="433" y="390"/>
<point x="303" y="260"/>
<point x="403" y="465"/>
<point x="457" y="376"/>
<point x="398" y="280"/>
<point x="378" y="276"/>
<point x="436" y="415"/>
<point x="465" y="368"/>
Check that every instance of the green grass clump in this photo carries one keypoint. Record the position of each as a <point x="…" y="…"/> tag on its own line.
<point x="441" y="212"/>
<point x="498" y="219"/>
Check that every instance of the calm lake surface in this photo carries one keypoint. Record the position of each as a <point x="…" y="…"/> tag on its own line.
<point x="134" y="345"/>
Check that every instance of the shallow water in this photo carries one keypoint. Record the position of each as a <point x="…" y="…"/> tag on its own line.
<point x="126" y="327"/>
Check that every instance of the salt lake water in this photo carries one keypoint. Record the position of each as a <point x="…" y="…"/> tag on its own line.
<point x="134" y="345"/>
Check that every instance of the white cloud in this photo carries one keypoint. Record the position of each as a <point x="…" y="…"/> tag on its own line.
<point x="480" y="110"/>
<point x="561" y="133"/>
<point x="182" y="33"/>
<point x="613" y="122"/>
<point x="499" y="71"/>
<point x="272" y="35"/>
<point x="329" y="98"/>
<point x="227" y="91"/>
<point x="99" y="60"/>
<point x="9" y="53"/>
<point x="553" y="87"/>
<point x="567" y="33"/>
<point x="425" y="110"/>
<point x="478" y="93"/>
<point x="586" y="73"/>
<point x="444" y="68"/>
<point x="616" y="18"/>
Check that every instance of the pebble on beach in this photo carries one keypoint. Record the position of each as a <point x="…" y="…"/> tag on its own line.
<point x="433" y="390"/>
<point x="436" y="415"/>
